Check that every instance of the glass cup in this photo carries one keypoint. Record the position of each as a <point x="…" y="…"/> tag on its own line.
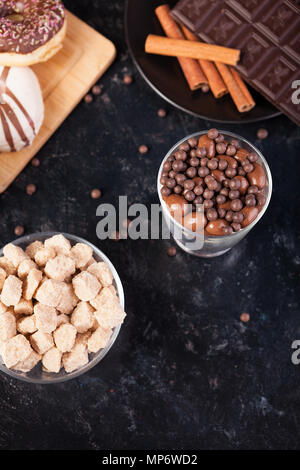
<point x="211" y="246"/>
<point x="37" y="374"/>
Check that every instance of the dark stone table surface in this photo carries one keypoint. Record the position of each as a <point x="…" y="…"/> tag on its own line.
<point x="185" y="372"/>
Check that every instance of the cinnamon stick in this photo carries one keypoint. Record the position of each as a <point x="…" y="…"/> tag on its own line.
<point x="242" y="86"/>
<point x="194" y="50"/>
<point x="190" y="67"/>
<point x="215" y="80"/>
<point x="241" y="100"/>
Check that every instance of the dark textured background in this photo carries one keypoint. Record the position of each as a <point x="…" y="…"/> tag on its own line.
<point x="185" y="372"/>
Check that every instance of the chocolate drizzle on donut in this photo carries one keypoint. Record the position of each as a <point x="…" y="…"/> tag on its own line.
<point x="29" y="24"/>
<point x="7" y="113"/>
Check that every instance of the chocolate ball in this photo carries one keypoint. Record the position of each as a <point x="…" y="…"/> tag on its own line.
<point x="184" y="146"/>
<point x="165" y="191"/>
<point x="213" y="164"/>
<point x="189" y="196"/>
<point x="211" y="214"/>
<point x="203" y="171"/>
<point x="192" y="142"/>
<point x="231" y="150"/>
<point x="236" y="205"/>
<point x="189" y="184"/>
<point x="201" y="152"/>
<point x="212" y="133"/>
<point x="191" y="172"/>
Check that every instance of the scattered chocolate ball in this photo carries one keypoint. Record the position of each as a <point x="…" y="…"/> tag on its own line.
<point x="19" y="230"/>
<point x="143" y="149"/>
<point x="96" y="193"/>
<point x="262" y="134"/>
<point x="161" y="113"/>
<point x="172" y="251"/>
<point x="96" y="90"/>
<point x="88" y="98"/>
<point x="245" y="317"/>
<point x="35" y="162"/>
<point x="30" y="189"/>
<point x="205" y="88"/>
<point x="127" y="79"/>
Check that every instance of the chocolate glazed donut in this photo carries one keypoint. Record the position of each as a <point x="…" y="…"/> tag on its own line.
<point x="31" y="31"/>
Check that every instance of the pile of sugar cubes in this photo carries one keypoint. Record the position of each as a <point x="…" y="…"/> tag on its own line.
<point x="57" y="305"/>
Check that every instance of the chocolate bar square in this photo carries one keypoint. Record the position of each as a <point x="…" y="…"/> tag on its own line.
<point x="266" y="31"/>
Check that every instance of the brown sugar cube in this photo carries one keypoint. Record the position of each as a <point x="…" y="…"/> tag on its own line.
<point x="99" y="339"/>
<point x="68" y="299"/>
<point x="43" y="255"/>
<point x="2" y="277"/>
<point x="7" y="326"/>
<point x="49" y="293"/>
<point x="26" y="325"/>
<point x="61" y="245"/>
<point x="7" y="266"/>
<point x="95" y="324"/>
<point x="14" y="254"/>
<point x="86" y="286"/>
<point x="82" y="317"/>
<point x="12" y="291"/>
<point x="89" y="263"/>
<point x="52" y="360"/>
<point x="41" y="342"/>
<point x="33" y="248"/>
<point x="75" y="359"/>
<point x="113" y="290"/>
<point x="62" y="319"/>
<point x="60" y="268"/>
<point x="3" y="308"/>
<point x="24" y="267"/>
<point x="31" y="283"/>
<point x="45" y="318"/>
<point x="102" y="272"/>
<point x="110" y="314"/>
<point x="29" y="363"/>
<point x="81" y="253"/>
<point x="15" y="350"/>
<point x="64" y="337"/>
<point x="82" y="338"/>
<point x="24" y="307"/>
<point x="105" y="295"/>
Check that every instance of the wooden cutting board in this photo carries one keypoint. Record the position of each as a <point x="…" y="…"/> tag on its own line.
<point x="64" y="79"/>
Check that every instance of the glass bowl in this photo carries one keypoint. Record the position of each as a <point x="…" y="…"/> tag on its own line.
<point x="212" y="245"/>
<point x="37" y="374"/>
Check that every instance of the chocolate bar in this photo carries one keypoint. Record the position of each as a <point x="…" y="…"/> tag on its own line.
<point x="268" y="34"/>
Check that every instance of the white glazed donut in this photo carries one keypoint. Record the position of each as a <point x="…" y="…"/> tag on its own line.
<point x="21" y="108"/>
